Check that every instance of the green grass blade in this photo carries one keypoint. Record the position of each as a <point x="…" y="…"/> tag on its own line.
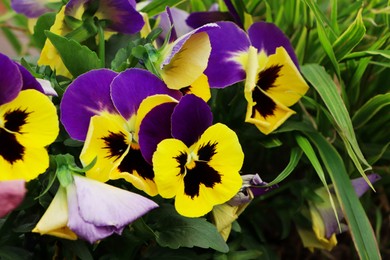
<point x="362" y="233"/>
<point x="327" y="89"/>
<point x="370" y="109"/>
<point x="363" y="54"/>
<point x="311" y="155"/>
<point x="350" y="38"/>
<point x="295" y="156"/>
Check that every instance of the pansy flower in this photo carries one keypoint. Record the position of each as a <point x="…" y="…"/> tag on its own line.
<point x="105" y="115"/>
<point x="200" y="165"/>
<point x="265" y="59"/>
<point x="11" y="195"/>
<point x="31" y="8"/>
<point x="182" y="63"/>
<point x="28" y="123"/>
<point x="325" y="225"/>
<point x="91" y="210"/>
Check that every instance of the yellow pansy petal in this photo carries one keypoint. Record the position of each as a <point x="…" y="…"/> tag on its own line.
<point x="31" y="163"/>
<point x="108" y="140"/>
<point x="200" y="88"/>
<point x="289" y="85"/>
<point x="54" y="221"/>
<point x="49" y="55"/>
<point x="189" y="63"/>
<point x="33" y="117"/>
<point x="266" y="116"/>
<point x="144" y="184"/>
<point x="189" y="207"/>
<point x="168" y="159"/>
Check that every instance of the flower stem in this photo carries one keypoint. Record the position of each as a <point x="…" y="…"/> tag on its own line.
<point x="102" y="47"/>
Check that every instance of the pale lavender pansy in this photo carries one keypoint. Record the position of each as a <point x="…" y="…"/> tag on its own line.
<point x="11" y="195"/>
<point x="173" y="20"/>
<point x="98" y="210"/>
<point x="121" y="15"/>
<point x="186" y="121"/>
<point x="224" y="68"/>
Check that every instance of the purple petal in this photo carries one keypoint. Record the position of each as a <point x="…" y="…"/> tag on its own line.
<point x="198" y="19"/>
<point x="360" y="185"/>
<point x="121" y="13"/>
<point x="177" y="17"/>
<point x="233" y="12"/>
<point x="267" y="37"/>
<point x="155" y="127"/>
<point x="191" y="117"/>
<point x="30" y="8"/>
<point x="47" y="87"/>
<point x="124" y="18"/>
<point x="180" y="42"/>
<point x="108" y="207"/>
<point x="11" y="195"/>
<point x="221" y="70"/>
<point x="10" y="79"/>
<point x="132" y="86"/>
<point x="86" y="96"/>
<point x="29" y="82"/>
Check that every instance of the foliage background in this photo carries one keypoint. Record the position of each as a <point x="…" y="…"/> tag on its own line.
<point x="350" y="39"/>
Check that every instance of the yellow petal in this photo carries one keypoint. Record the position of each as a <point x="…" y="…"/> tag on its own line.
<point x="34" y="161"/>
<point x="289" y="86"/>
<point x="266" y="124"/>
<point x="97" y="144"/>
<point x="40" y="127"/>
<point x="166" y="166"/>
<point x="49" y="54"/>
<point x="199" y="88"/>
<point x="189" y="63"/>
<point x="54" y="221"/>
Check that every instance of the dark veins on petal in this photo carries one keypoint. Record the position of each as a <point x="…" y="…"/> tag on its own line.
<point x="116" y="144"/>
<point x="10" y="149"/>
<point x="207" y="151"/>
<point x="182" y="160"/>
<point x="15" y="119"/>
<point x="133" y="161"/>
<point x="265" y="105"/>
<point x="202" y="173"/>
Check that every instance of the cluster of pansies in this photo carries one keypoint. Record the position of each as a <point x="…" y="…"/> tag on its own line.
<point x="150" y="124"/>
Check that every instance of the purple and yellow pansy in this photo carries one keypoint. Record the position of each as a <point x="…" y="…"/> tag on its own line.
<point x="265" y="59"/>
<point x="105" y="118"/>
<point x="28" y="123"/>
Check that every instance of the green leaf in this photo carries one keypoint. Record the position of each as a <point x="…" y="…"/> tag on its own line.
<point x="311" y="155"/>
<point x="294" y="159"/>
<point x="350" y="38"/>
<point x="327" y="89"/>
<point x="77" y="58"/>
<point x="370" y="109"/>
<point x="158" y="6"/>
<point x="174" y="231"/>
<point x="358" y="222"/>
<point x="363" y="54"/>
<point x="44" y="23"/>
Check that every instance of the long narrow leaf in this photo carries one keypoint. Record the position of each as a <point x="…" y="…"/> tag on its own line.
<point x="370" y="109"/>
<point x="327" y="89"/>
<point x="362" y="233"/>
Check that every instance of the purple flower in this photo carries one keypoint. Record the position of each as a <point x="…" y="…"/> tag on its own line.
<point x="121" y="14"/>
<point x="91" y="210"/>
<point x="31" y="8"/>
<point x="11" y="195"/>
